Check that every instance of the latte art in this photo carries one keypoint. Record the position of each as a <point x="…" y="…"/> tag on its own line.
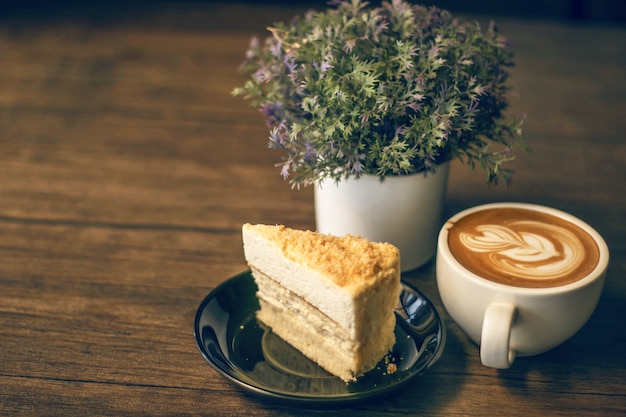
<point x="547" y="253"/>
<point x="522" y="247"/>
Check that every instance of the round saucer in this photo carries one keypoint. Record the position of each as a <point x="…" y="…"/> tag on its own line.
<point x="244" y="351"/>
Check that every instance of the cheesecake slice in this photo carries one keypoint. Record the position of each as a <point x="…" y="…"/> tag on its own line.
<point x="332" y="298"/>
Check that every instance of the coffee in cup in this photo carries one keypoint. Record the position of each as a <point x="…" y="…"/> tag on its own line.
<point x="523" y="247"/>
<point x="519" y="278"/>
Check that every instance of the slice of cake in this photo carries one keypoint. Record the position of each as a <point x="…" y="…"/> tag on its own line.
<point x="332" y="298"/>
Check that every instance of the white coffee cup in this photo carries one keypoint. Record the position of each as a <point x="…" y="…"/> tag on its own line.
<point x="509" y="319"/>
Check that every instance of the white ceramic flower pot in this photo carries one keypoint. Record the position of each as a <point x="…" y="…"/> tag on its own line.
<point x="402" y="210"/>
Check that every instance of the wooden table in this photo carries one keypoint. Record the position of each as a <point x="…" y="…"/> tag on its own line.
<point x="127" y="170"/>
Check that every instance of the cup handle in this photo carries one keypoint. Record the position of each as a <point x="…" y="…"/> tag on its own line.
<point x="496" y="335"/>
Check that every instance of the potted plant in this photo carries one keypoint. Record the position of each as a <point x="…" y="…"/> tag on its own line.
<point x="355" y="94"/>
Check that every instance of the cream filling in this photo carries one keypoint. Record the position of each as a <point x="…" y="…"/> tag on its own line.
<point x="311" y="318"/>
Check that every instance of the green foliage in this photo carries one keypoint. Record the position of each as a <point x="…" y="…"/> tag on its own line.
<point x="391" y="90"/>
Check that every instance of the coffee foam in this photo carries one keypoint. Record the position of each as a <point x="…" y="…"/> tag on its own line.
<point x="523" y="247"/>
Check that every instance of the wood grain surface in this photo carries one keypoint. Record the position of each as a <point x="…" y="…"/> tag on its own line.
<point x="127" y="170"/>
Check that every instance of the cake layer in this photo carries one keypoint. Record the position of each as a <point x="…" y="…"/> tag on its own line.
<point x="292" y="305"/>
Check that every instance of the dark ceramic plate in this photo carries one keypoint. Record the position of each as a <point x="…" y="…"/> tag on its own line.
<point x="238" y="347"/>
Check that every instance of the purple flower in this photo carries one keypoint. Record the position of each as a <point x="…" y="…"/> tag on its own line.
<point x="434" y="51"/>
<point x="325" y="66"/>
<point x="443" y="91"/>
<point x="284" y="170"/>
<point x="277" y="49"/>
<point x="290" y="63"/>
<point x="274" y="113"/>
<point x="416" y="107"/>
<point x="276" y="138"/>
<point x="309" y="151"/>
<point x="355" y="164"/>
<point x="262" y="75"/>
<point x="382" y="26"/>
<point x="471" y="108"/>
<point x="414" y="103"/>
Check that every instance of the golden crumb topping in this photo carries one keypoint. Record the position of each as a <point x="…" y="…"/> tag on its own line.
<point x="348" y="261"/>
